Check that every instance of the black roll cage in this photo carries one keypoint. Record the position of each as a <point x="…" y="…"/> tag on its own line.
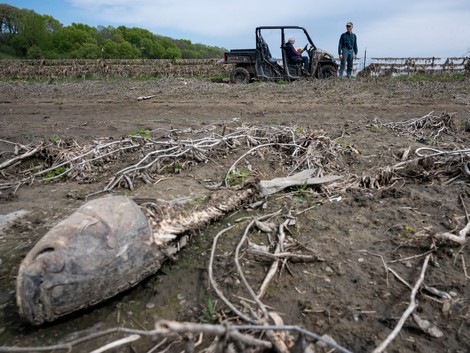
<point x="283" y="34"/>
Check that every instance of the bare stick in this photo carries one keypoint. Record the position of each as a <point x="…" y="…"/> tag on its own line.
<point x="23" y="156"/>
<point x="214" y="284"/>
<point x="463" y="233"/>
<point x="68" y="346"/>
<point x="232" y="168"/>
<point x="117" y="343"/>
<point x="399" y="278"/>
<point x="407" y="312"/>
<point x="242" y="276"/>
<point x="412" y="257"/>
<point x="464" y="208"/>
<point x="459" y="239"/>
<point x="274" y="266"/>
<point x="170" y="328"/>
<point x="278" y="344"/>
<point x="383" y="262"/>
<point x="464" y="266"/>
<point x="285" y="255"/>
<point x="167" y="327"/>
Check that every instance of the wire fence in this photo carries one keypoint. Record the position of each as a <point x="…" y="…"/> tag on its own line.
<point x="381" y="67"/>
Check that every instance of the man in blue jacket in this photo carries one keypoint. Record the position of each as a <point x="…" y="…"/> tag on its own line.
<point x="347" y="50"/>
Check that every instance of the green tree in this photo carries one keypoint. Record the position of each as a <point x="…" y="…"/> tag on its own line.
<point x="123" y="50"/>
<point x="87" y="51"/>
<point x="127" y="51"/>
<point x="108" y="33"/>
<point x="189" y="54"/>
<point x="68" y="40"/>
<point x="32" y="31"/>
<point x="135" y="36"/>
<point x="146" y="45"/>
<point x="8" y="18"/>
<point x="35" y="52"/>
<point x="28" y="34"/>
<point x="172" y="53"/>
<point x="157" y="51"/>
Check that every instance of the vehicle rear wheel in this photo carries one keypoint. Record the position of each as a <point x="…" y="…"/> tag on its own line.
<point x="326" y="72"/>
<point x="240" y="75"/>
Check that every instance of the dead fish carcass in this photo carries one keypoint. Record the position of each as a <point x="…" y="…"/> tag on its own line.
<point x="110" y="244"/>
<point x="105" y="247"/>
<point x="102" y="249"/>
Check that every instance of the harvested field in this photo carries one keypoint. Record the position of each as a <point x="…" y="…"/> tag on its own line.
<point x="356" y="255"/>
<point x="109" y="68"/>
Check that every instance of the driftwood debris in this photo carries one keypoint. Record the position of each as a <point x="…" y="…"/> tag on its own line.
<point x="273" y="186"/>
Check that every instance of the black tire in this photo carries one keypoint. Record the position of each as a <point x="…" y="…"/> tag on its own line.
<point x="240" y="75"/>
<point x="327" y="72"/>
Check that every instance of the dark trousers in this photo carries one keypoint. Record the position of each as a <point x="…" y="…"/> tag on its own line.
<point x="303" y="59"/>
<point x="347" y="60"/>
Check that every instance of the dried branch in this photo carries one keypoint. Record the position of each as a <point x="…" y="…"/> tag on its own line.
<point x="214" y="285"/>
<point x="285" y="255"/>
<point x="241" y="274"/>
<point x="117" y="343"/>
<point x="427" y="128"/>
<point x="274" y="266"/>
<point x="25" y="155"/>
<point x="412" y="306"/>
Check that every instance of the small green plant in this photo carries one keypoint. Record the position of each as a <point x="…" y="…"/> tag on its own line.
<point x="178" y="168"/>
<point x="302" y="192"/>
<point x="301" y="189"/>
<point x="299" y="131"/>
<point x="237" y="176"/>
<point x="209" y="315"/>
<point x="408" y="232"/>
<point x="55" y="138"/>
<point x="343" y="144"/>
<point x="142" y="133"/>
<point x="53" y="174"/>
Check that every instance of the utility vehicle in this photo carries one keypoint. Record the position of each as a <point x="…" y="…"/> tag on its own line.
<point x="258" y="63"/>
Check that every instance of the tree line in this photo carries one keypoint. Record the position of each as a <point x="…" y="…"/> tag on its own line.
<point x="27" y="34"/>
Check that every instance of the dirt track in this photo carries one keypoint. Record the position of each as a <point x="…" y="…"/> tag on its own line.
<point x="348" y="295"/>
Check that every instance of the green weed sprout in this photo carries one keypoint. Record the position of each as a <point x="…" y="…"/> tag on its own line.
<point x="55" y="138"/>
<point x="147" y="134"/>
<point x="209" y="315"/>
<point x="237" y="176"/>
<point x="56" y="173"/>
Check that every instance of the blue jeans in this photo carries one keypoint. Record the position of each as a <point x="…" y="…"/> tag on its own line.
<point x="348" y="57"/>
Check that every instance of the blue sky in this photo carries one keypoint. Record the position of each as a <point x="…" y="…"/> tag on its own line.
<point x="411" y="28"/>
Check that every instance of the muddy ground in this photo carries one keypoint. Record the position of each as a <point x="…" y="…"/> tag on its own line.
<point x="347" y="293"/>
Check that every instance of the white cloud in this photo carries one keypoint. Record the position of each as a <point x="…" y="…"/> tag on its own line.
<point x="432" y="30"/>
<point x="400" y="28"/>
<point x="211" y="17"/>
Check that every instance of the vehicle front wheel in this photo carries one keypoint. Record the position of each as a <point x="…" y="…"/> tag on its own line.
<point x="240" y="75"/>
<point x="326" y="72"/>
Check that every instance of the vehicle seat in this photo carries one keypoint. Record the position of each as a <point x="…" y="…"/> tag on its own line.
<point x="267" y="53"/>
<point x="295" y="68"/>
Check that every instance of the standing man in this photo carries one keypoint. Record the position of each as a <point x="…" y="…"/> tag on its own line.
<point x="347" y="50"/>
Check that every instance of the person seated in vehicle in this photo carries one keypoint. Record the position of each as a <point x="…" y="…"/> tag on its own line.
<point x="293" y="55"/>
